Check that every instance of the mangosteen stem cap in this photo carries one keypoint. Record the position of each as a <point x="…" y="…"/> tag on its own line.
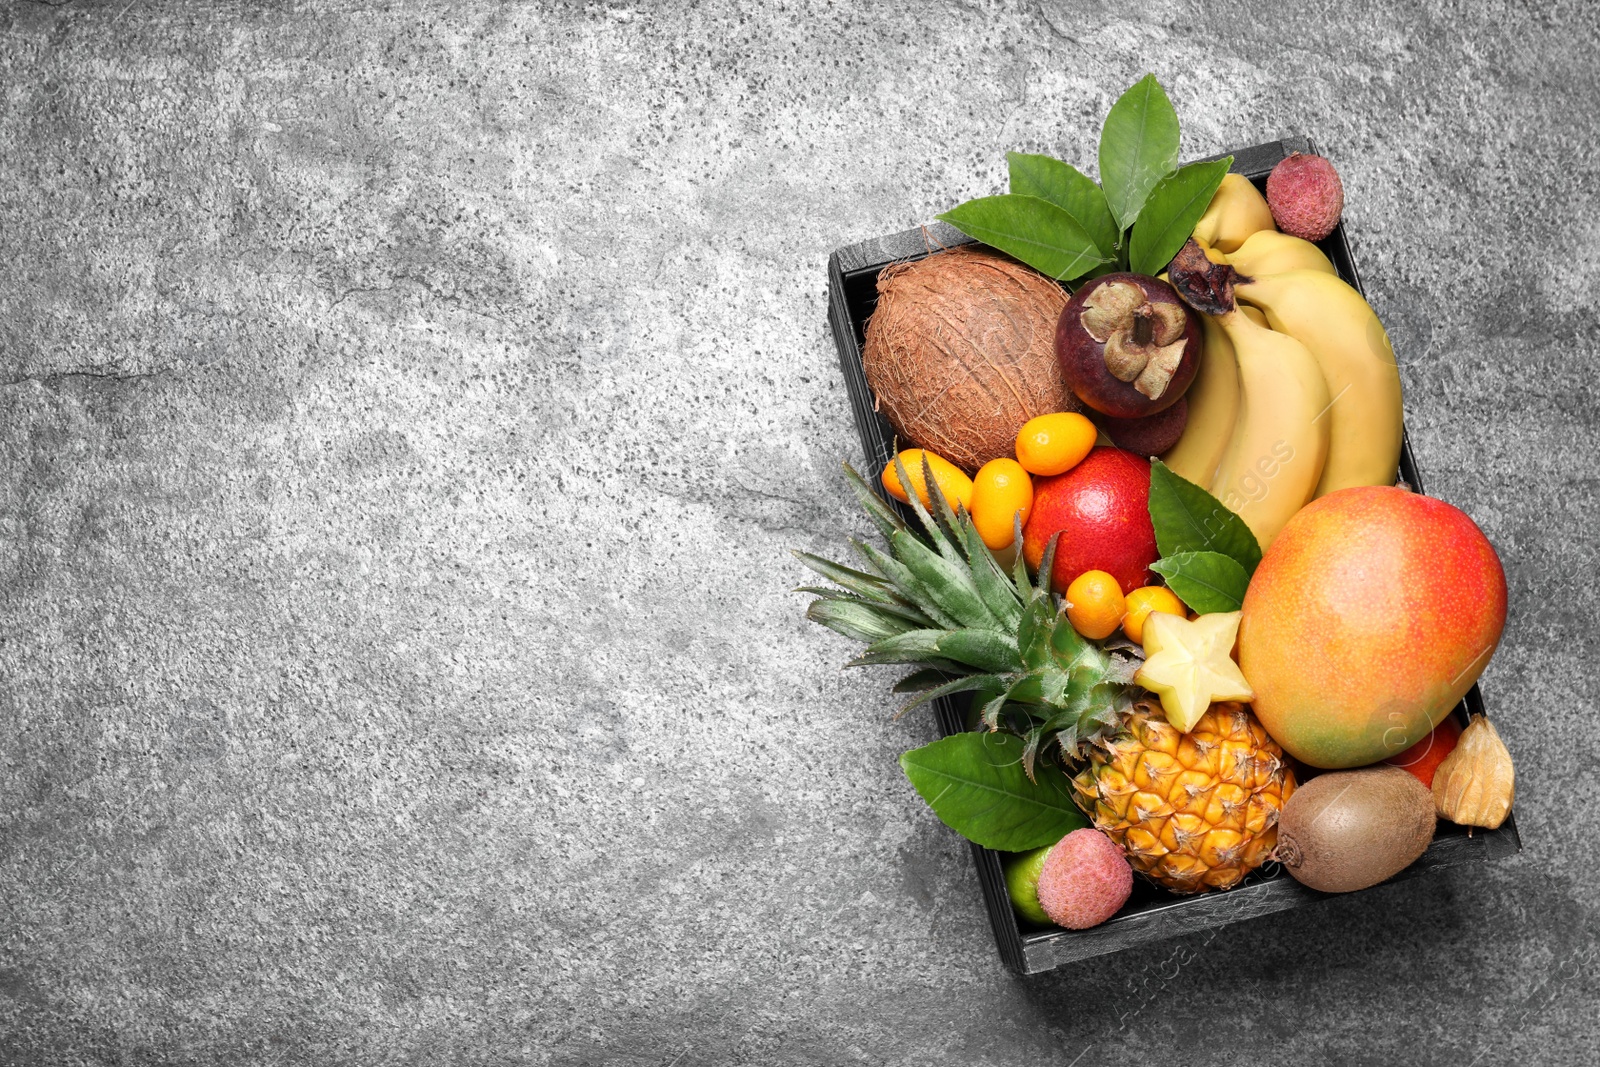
<point x="1143" y="340"/>
<point x="1143" y="323"/>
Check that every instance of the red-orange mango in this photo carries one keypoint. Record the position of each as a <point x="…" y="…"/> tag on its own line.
<point x="1369" y="617"/>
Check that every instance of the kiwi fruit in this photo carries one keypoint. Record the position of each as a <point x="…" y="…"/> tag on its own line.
<point x="1348" y="830"/>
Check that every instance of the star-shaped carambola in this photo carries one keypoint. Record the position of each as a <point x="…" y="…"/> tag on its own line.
<point x="1189" y="664"/>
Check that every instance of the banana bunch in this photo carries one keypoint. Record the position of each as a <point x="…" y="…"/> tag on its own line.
<point x="1297" y="394"/>
<point x="1279" y="444"/>
<point x="1350" y="346"/>
<point x="1236" y="211"/>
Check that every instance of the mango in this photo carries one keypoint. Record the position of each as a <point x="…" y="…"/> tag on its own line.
<point x="1369" y="617"/>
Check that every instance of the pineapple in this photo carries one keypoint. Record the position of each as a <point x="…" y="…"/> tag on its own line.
<point x="1192" y="811"/>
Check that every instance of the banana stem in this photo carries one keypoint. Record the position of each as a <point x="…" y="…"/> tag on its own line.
<point x="1204" y="285"/>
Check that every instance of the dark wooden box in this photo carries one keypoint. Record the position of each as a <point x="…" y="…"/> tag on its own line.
<point x="1152" y="914"/>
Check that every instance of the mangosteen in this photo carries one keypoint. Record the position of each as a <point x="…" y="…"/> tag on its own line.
<point x="1128" y="346"/>
<point x="1151" y="435"/>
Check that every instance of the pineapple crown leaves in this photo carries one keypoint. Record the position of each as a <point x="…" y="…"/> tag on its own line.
<point x="938" y="600"/>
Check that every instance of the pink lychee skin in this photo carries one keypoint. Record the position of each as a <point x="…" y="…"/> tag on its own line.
<point x="1084" y="881"/>
<point x="1306" y="196"/>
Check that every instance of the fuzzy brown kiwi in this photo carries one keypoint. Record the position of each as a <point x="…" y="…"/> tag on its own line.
<point x="960" y="352"/>
<point x="1347" y="830"/>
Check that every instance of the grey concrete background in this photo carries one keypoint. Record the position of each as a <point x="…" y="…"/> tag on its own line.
<point x="407" y="408"/>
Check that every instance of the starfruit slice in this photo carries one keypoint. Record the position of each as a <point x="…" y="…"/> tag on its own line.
<point x="1189" y="664"/>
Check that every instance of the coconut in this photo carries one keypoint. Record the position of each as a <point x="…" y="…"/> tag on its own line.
<point x="960" y="352"/>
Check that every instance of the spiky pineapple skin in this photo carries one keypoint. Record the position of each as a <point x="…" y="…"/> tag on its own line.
<point x="1193" y="812"/>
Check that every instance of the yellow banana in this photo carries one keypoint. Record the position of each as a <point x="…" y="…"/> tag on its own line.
<point x="1278" y="449"/>
<point x="1213" y="409"/>
<point x="1365" y="417"/>
<point x="1271" y="252"/>
<point x="1213" y="405"/>
<point x="1237" y="210"/>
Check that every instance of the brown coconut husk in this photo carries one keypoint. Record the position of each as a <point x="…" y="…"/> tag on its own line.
<point x="960" y="352"/>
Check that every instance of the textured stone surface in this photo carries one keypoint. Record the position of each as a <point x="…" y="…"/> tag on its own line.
<point x="407" y="408"/>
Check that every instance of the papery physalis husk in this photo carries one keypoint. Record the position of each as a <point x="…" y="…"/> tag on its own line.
<point x="1475" y="784"/>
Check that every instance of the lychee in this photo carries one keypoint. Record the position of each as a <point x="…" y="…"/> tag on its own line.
<point x="1306" y="196"/>
<point x="1085" y="880"/>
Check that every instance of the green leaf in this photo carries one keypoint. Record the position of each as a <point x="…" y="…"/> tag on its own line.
<point x="1047" y="564"/>
<point x="984" y="683"/>
<point x="1028" y="688"/>
<point x="1034" y="632"/>
<point x="1067" y="724"/>
<point x="1019" y="569"/>
<point x="949" y="586"/>
<point x="1069" y="646"/>
<point x="920" y="681"/>
<point x="1189" y="519"/>
<point x="936" y="534"/>
<point x="997" y="592"/>
<point x="1138" y="147"/>
<point x="990" y="714"/>
<point x="1053" y="691"/>
<point x="896" y="608"/>
<point x="911" y="646"/>
<point x="1107" y="701"/>
<point x="949" y="519"/>
<point x="906" y="583"/>
<point x="1167" y="219"/>
<point x="1069" y="189"/>
<point x="1067" y="738"/>
<point x="961" y="650"/>
<point x="976" y="785"/>
<point x="857" y="619"/>
<point x="1206" y="581"/>
<point x="867" y="585"/>
<point x="882" y="515"/>
<point x="1035" y="231"/>
<point x="983" y="649"/>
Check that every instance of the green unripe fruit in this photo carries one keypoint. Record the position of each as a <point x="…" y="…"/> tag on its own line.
<point x="1022" y="884"/>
